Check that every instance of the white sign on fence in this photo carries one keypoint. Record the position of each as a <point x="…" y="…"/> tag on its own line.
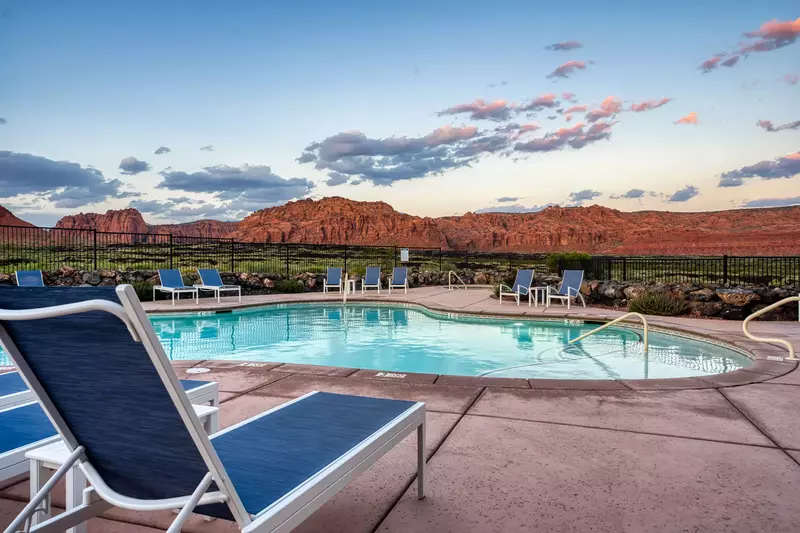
<point x="404" y="255"/>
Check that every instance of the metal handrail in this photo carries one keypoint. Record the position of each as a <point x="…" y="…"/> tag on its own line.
<point x="792" y="355"/>
<point x="450" y="281"/>
<point x="619" y="319"/>
<point x="346" y="288"/>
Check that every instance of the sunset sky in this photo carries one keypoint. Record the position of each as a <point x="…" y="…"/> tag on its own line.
<point x="190" y="109"/>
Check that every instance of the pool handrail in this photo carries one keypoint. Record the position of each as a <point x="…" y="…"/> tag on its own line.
<point x="450" y="285"/>
<point x="746" y="323"/>
<point x="618" y="319"/>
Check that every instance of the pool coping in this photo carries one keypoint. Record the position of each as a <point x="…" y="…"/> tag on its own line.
<point x="765" y="365"/>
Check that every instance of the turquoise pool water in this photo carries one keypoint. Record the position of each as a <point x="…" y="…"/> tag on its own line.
<point x="412" y="340"/>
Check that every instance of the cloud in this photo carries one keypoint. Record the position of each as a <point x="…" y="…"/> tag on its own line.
<point x="517" y="130"/>
<point x="772" y="35"/>
<point x="570" y="97"/>
<point x="782" y="167"/>
<point x="155" y="207"/>
<point x="691" y="118"/>
<point x="608" y="108"/>
<point x="630" y="195"/>
<point x="515" y="208"/>
<point x="731" y="61"/>
<point x="773" y="202"/>
<point x="132" y="166"/>
<point x="684" y="195"/>
<point x="791" y="79"/>
<point x="585" y="195"/>
<point x="384" y="161"/>
<point x="564" y="70"/>
<point x="547" y="100"/>
<point x="565" y="45"/>
<point x="246" y="185"/>
<point x="767" y="125"/>
<point x="647" y="105"/>
<point x="64" y="183"/>
<point x="336" y="178"/>
<point x="162" y="150"/>
<point x="575" y="109"/>
<point x="3" y="121"/>
<point x="498" y="110"/>
<point x="506" y="199"/>
<point x="207" y="148"/>
<point x="574" y="137"/>
<point x="710" y="64"/>
<point x="170" y="209"/>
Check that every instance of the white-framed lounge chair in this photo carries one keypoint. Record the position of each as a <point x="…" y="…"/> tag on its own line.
<point x="210" y="280"/>
<point x="22" y="428"/>
<point x="127" y="424"/>
<point x="372" y="279"/>
<point x="521" y="286"/>
<point x="29" y="278"/>
<point x="570" y="288"/>
<point x="171" y="282"/>
<point x="399" y="279"/>
<point x="333" y="280"/>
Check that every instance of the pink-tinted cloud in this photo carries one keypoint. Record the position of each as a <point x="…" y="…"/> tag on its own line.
<point x="448" y="134"/>
<point x="710" y="64"/>
<point x="570" y="97"/>
<point x="480" y="110"/>
<point x="568" y="118"/>
<point x="769" y="126"/>
<point x="574" y="136"/>
<point x="547" y="100"/>
<point x="731" y="61"/>
<point x="691" y="118"/>
<point x="776" y="29"/>
<point x="791" y="79"/>
<point x="565" y="45"/>
<point x="517" y="130"/>
<point x="647" y="105"/>
<point x="564" y="71"/>
<point x="575" y="109"/>
<point x="608" y="108"/>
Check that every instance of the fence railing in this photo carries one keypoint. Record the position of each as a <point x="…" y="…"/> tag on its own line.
<point x="24" y="248"/>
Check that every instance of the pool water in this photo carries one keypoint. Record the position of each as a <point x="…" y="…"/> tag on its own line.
<point x="404" y="339"/>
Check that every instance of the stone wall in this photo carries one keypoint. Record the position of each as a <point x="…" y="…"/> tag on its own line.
<point x="703" y="300"/>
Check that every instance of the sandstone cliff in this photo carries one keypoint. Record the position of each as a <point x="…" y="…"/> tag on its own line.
<point x="7" y="218"/>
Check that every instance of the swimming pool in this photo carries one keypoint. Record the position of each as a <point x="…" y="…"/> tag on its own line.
<point x="411" y="339"/>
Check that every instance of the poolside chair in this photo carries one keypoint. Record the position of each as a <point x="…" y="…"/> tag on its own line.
<point x="333" y="279"/>
<point x="117" y="404"/>
<point x="210" y="280"/>
<point x="399" y="279"/>
<point x="29" y="278"/>
<point x="521" y="286"/>
<point x="372" y="279"/>
<point x="172" y="283"/>
<point x="570" y="288"/>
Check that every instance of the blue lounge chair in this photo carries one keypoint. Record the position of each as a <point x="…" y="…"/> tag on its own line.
<point x="399" y="279"/>
<point x="521" y="286"/>
<point x="172" y="283"/>
<point x="372" y="280"/>
<point x="29" y="278"/>
<point x="210" y="280"/>
<point x="570" y="288"/>
<point x="333" y="280"/>
<point x="118" y="406"/>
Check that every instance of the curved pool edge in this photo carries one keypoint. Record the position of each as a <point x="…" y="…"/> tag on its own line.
<point x="763" y="368"/>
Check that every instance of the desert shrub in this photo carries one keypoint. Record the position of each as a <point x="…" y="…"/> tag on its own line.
<point x="144" y="290"/>
<point x="289" y="286"/>
<point x="657" y="303"/>
<point x="571" y="260"/>
<point x="496" y="290"/>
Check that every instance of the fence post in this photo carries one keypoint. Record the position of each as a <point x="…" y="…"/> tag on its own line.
<point x="724" y="269"/>
<point x="286" y="246"/>
<point x="170" y="251"/>
<point x="466" y="259"/>
<point x="233" y="254"/>
<point x="624" y="269"/>
<point x="94" y="248"/>
<point x="395" y="256"/>
<point x="345" y="258"/>
<point x="440" y="259"/>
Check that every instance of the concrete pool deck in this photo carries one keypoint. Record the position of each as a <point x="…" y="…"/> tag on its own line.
<point x="691" y="454"/>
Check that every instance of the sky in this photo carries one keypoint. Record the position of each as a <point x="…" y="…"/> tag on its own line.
<point x="192" y="109"/>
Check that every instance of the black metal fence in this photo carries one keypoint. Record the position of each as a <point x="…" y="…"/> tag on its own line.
<point x="23" y="248"/>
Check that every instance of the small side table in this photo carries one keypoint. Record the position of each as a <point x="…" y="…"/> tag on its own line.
<point x="351" y="286"/>
<point x="536" y="292"/>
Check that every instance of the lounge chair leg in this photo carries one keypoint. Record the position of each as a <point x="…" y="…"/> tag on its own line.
<point x="190" y="505"/>
<point x="76" y="483"/>
<point x="421" y="461"/>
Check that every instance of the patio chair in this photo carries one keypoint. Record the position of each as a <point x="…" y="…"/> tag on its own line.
<point x="117" y="405"/>
<point x="372" y="279"/>
<point x="570" y="288"/>
<point x="210" y="280"/>
<point x="521" y="286"/>
<point x="29" y="278"/>
<point x="333" y="279"/>
<point x="399" y="279"/>
<point x="172" y="283"/>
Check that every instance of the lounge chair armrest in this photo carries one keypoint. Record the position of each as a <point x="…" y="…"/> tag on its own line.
<point x="573" y="289"/>
<point x="504" y="286"/>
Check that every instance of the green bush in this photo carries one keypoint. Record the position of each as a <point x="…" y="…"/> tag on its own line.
<point x="574" y="260"/>
<point x="144" y="290"/>
<point x="289" y="286"/>
<point x="496" y="290"/>
<point x="657" y="303"/>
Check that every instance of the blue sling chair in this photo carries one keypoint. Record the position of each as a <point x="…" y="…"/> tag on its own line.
<point x="116" y="402"/>
<point x="372" y="280"/>
<point x="29" y="278"/>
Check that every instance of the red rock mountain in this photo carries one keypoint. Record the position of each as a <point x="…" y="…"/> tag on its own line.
<point x="7" y="218"/>
<point x="594" y="229"/>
